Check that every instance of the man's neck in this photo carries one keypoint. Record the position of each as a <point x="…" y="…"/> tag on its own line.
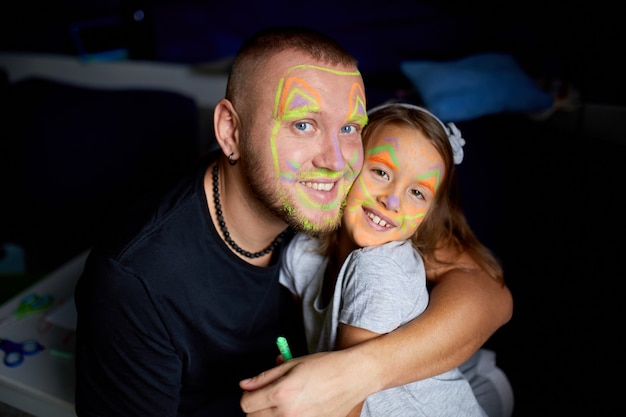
<point x="248" y="225"/>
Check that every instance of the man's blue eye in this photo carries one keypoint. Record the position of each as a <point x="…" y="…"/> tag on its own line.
<point x="348" y="129"/>
<point x="302" y="126"/>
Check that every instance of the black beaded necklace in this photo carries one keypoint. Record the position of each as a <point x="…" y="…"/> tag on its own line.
<point x="222" y="223"/>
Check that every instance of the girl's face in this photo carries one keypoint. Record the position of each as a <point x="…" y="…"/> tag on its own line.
<point x="401" y="173"/>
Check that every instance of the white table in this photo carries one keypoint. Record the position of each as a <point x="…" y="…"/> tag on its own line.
<point x="43" y="385"/>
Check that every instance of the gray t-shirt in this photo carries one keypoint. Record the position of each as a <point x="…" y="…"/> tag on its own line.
<point x="379" y="288"/>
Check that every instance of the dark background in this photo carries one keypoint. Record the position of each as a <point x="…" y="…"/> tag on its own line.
<point x="544" y="196"/>
<point x="580" y="45"/>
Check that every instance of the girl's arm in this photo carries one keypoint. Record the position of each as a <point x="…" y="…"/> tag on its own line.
<point x="348" y="336"/>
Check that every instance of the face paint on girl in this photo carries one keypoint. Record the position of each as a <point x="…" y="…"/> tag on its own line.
<point x="396" y="187"/>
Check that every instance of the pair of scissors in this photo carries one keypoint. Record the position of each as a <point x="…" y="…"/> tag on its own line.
<point x="14" y="352"/>
<point x="31" y="303"/>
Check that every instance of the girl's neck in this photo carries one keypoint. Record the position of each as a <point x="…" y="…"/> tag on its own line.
<point x="345" y="245"/>
<point x="336" y="257"/>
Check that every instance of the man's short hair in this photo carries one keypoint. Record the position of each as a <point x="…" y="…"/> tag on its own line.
<point x="256" y="52"/>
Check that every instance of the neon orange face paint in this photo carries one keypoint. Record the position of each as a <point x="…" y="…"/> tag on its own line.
<point x="400" y="176"/>
<point x="315" y="141"/>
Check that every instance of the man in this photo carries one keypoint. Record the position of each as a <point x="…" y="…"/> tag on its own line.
<point x="177" y="309"/>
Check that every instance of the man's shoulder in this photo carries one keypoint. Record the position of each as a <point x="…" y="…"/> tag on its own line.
<point x="149" y="215"/>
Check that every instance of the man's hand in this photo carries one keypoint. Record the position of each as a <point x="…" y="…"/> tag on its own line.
<point x="321" y="384"/>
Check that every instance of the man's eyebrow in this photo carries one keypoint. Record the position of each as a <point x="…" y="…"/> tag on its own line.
<point x="360" y="119"/>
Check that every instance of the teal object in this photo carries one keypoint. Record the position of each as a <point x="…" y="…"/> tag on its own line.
<point x="12" y="259"/>
<point x="33" y="303"/>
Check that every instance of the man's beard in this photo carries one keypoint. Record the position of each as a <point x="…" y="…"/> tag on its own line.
<point x="276" y="201"/>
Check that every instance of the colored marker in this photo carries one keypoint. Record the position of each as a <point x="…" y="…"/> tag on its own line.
<point x="283" y="346"/>
<point x="61" y="354"/>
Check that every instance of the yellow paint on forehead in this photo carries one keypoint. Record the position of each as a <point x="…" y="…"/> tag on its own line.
<point x="286" y="93"/>
<point x="297" y="98"/>
<point x="359" y="110"/>
<point x="334" y="71"/>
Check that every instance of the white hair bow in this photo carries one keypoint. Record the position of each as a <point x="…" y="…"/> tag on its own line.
<point x="456" y="141"/>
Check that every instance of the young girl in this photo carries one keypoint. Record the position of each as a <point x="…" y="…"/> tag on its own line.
<point x="369" y="277"/>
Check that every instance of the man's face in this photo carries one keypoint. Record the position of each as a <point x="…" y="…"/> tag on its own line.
<point x="308" y="150"/>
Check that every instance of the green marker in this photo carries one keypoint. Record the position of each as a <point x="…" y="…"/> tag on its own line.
<point x="61" y="354"/>
<point x="283" y="346"/>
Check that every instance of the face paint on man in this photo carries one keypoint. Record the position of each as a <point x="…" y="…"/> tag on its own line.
<point x="316" y="143"/>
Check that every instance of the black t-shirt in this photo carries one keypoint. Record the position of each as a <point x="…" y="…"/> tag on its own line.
<point x="170" y="320"/>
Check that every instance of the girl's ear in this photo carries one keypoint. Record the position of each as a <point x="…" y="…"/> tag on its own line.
<point x="226" y="125"/>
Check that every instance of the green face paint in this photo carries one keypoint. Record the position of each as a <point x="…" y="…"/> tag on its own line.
<point x="315" y="142"/>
